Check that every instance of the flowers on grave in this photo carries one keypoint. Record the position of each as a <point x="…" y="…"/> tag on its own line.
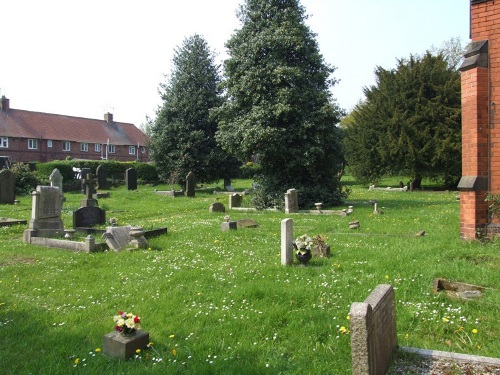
<point x="127" y="323"/>
<point x="303" y="244"/>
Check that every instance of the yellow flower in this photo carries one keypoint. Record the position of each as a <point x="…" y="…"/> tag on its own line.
<point x="348" y="317"/>
<point x="77" y="360"/>
<point x="474" y="331"/>
<point x="98" y="350"/>
<point x="387" y="277"/>
<point x="174" y="352"/>
<point x="150" y="344"/>
<point x="171" y="336"/>
<point x="138" y="351"/>
<point x="446" y="319"/>
<point x="343" y="329"/>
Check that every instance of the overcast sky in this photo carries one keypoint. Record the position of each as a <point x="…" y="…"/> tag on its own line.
<point x="85" y="58"/>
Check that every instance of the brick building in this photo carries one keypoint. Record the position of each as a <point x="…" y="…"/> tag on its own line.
<point x="480" y="128"/>
<point x="28" y="136"/>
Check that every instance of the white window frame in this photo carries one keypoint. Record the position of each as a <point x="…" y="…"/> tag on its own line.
<point x="84" y="147"/>
<point x="4" y="142"/>
<point x="49" y="143"/>
<point x="131" y="150"/>
<point x="111" y="149"/>
<point x="66" y="145"/>
<point x="32" y="144"/>
<point x="97" y="147"/>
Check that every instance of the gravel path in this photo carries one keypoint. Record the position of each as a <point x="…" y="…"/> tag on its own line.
<point x="442" y="367"/>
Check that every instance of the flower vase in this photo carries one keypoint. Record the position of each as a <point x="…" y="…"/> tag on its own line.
<point x="303" y="257"/>
<point x="130" y="333"/>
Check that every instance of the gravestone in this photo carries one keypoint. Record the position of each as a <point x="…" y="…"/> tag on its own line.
<point x="291" y="201"/>
<point x="56" y="180"/>
<point x="190" y="184"/>
<point x="89" y="183"/>
<point x="217" y="207"/>
<point x="7" y="186"/>
<point x="246" y="223"/>
<point x="286" y="242"/>
<point x="235" y="200"/>
<point x="373" y="332"/>
<point x="83" y="175"/>
<point x="45" y="213"/>
<point x="117" y="238"/>
<point x="88" y="216"/>
<point x="131" y="179"/>
<point x="228" y="224"/>
<point x="102" y="177"/>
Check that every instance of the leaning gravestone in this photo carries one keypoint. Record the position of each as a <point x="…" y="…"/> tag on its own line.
<point x="56" y="180"/>
<point x="117" y="238"/>
<point x="83" y="175"/>
<point x="131" y="179"/>
<point x="86" y="217"/>
<point x="190" y="184"/>
<point x="45" y="213"/>
<point x="102" y="177"/>
<point x="291" y="201"/>
<point x="7" y="186"/>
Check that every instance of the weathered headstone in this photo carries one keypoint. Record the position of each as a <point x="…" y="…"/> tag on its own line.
<point x="83" y="175"/>
<point x="7" y="186"/>
<point x="56" y="180"/>
<point x="228" y="224"/>
<point x="190" y="184"/>
<point x="88" y="216"/>
<point x="117" y="238"/>
<point x="247" y="223"/>
<point x="217" y="207"/>
<point x="373" y="332"/>
<point x="89" y="183"/>
<point x="102" y="177"/>
<point x="291" y="201"/>
<point x="235" y="200"/>
<point x="286" y="242"/>
<point x="131" y="179"/>
<point x="45" y="213"/>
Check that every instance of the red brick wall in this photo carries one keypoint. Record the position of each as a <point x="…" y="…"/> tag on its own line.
<point x="480" y="127"/>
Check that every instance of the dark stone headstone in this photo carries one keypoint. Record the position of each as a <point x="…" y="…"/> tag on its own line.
<point x="102" y="177"/>
<point x="7" y="186"/>
<point x="83" y="175"/>
<point x="217" y="207"/>
<point x="190" y="184"/>
<point x="88" y="216"/>
<point x="131" y="179"/>
<point x="89" y="201"/>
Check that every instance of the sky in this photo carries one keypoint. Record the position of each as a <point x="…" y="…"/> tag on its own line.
<point x="86" y="58"/>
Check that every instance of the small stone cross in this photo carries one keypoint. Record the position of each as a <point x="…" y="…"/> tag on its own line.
<point x="89" y="183"/>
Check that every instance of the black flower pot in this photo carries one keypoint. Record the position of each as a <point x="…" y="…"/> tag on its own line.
<point x="304" y="257"/>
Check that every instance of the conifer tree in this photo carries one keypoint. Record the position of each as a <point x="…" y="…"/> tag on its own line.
<point x="279" y="107"/>
<point x="182" y="136"/>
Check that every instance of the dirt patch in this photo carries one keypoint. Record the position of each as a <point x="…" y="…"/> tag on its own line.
<point x="441" y="367"/>
<point x="16" y="259"/>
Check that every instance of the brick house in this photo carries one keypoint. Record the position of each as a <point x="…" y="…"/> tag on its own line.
<point x="480" y="74"/>
<point x="28" y="136"/>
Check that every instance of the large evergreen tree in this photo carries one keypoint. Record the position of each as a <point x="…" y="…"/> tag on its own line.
<point x="409" y="124"/>
<point x="182" y="136"/>
<point x="279" y="106"/>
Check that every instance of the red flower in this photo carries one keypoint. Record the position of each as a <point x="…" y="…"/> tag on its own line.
<point x="137" y="319"/>
<point x="120" y="312"/>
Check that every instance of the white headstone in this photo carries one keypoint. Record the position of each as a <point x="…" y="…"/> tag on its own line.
<point x="286" y="242"/>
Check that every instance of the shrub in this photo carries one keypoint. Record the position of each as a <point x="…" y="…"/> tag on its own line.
<point x="26" y="181"/>
<point x="146" y="172"/>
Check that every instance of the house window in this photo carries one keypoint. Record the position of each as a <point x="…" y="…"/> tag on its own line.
<point x="143" y="149"/>
<point x="66" y="146"/>
<point x="97" y="147"/>
<point x="111" y="149"/>
<point x="131" y="150"/>
<point x="4" y="142"/>
<point x="32" y="144"/>
<point x="84" y="147"/>
<point x="49" y="143"/>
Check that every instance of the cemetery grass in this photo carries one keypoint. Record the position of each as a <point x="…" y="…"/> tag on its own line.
<point x="218" y="302"/>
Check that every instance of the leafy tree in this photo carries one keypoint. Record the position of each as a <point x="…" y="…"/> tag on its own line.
<point x="182" y="136"/>
<point x="279" y="106"/>
<point x="409" y="124"/>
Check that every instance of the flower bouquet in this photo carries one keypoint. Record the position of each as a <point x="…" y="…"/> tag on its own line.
<point x="303" y="245"/>
<point x="127" y="323"/>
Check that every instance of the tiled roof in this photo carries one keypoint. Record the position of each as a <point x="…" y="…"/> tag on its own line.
<point x="18" y="123"/>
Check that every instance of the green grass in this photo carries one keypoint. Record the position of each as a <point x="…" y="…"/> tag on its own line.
<point x="219" y="302"/>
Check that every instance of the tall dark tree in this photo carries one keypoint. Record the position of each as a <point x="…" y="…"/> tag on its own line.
<point x="279" y="106"/>
<point x="182" y="136"/>
<point x="409" y="124"/>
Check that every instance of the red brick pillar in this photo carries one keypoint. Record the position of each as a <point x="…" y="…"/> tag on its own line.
<point x="474" y="183"/>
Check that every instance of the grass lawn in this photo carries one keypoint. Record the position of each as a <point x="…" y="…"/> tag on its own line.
<point x="219" y="302"/>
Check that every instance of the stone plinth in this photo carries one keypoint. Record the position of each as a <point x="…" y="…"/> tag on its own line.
<point x="123" y="347"/>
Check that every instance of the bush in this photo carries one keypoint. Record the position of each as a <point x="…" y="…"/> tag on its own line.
<point x="147" y="172"/>
<point x="249" y="170"/>
<point x="26" y="181"/>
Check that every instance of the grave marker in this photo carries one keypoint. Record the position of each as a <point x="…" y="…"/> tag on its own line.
<point x="291" y="201"/>
<point x="131" y="179"/>
<point x="45" y="213"/>
<point x="102" y="177"/>
<point x="7" y="186"/>
<point x="286" y="242"/>
<point x="88" y="216"/>
<point x="56" y="180"/>
<point x="190" y="184"/>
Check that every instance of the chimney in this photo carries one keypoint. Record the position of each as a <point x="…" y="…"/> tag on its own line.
<point x="108" y="117"/>
<point x="4" y="104"/>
